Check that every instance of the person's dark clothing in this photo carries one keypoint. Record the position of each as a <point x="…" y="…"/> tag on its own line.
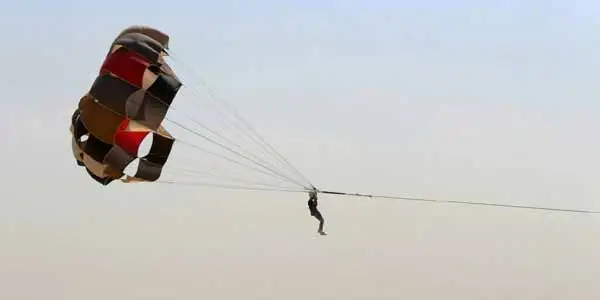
<point x="314" y="211"/>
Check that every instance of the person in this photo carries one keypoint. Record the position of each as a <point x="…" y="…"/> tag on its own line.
<point x="314" y="211"/>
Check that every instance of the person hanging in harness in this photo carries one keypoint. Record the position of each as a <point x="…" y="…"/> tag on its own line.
<point x="314" y="211"/>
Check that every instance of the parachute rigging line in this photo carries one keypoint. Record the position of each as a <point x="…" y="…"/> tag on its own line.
<point x="232" y="151"/>
<point x="194" y="172"/>
<point x="257" y="138"/>
<point x="239" y="152"/>
<point x="230" y="187"/>
<point x="182" y="142"/>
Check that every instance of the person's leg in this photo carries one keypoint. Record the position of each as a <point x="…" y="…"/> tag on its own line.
<point x="319" y="217"/>
<point x="321" y="222"/>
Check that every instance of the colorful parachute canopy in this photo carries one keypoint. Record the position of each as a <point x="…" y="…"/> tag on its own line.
<point x="126" y="103"/>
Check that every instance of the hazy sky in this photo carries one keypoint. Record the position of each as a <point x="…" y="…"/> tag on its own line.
<point x="490" y="101"/>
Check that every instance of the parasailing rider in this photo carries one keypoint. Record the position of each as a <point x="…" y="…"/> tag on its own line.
<point x="314" y="211"/>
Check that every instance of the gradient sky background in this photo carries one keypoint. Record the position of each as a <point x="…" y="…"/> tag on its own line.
<point x="491" y="101"/>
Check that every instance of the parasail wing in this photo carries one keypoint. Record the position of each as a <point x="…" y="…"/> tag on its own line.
<point x="127" y="102"/>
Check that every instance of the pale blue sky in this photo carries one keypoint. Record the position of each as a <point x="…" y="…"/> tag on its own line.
<point x="491" y="101"/>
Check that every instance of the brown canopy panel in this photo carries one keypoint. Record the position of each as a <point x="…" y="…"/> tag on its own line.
<point x="127" y="102"/>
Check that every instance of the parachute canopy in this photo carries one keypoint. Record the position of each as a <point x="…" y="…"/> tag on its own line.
<point x="127" y="102"/>
<point x="131" y="101"/>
